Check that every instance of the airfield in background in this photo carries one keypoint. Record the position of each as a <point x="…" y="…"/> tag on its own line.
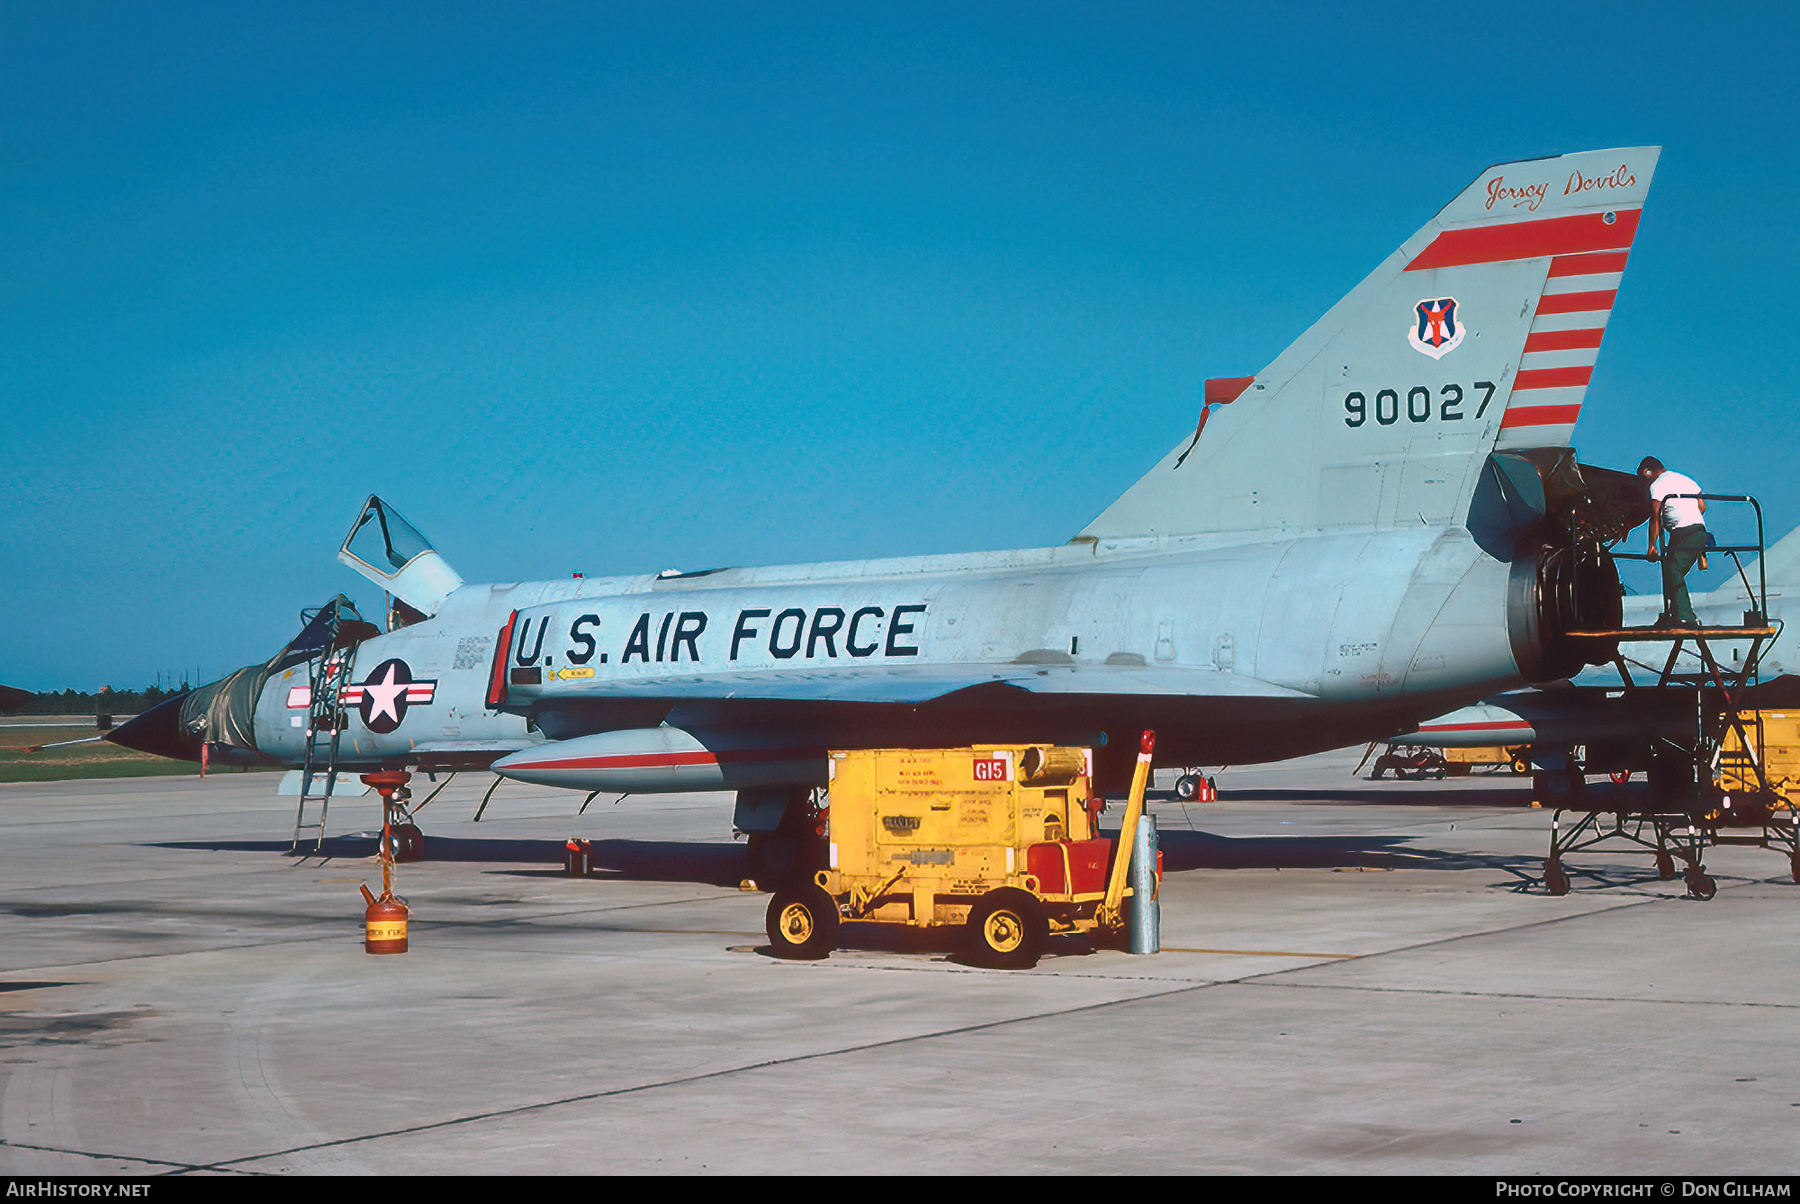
<point x="91" y="759"/>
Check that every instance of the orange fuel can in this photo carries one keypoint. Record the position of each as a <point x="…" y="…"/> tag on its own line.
<point x="384" y="924"/>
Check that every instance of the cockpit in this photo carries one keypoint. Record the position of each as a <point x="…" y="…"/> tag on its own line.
<point x="389" y="551"/>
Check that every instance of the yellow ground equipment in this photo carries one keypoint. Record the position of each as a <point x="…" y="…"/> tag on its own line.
<point x="1459" y="762"/>
<point x="1780" y="740"/>
<point x="1413" y="761"/>
<point x="999" y="839"/>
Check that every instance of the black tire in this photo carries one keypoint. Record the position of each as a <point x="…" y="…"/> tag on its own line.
<point x="802" y="922"/>
<point x="408" y="843"/>
<point x="1007" y="930"/>
<point x="1700" y="884"/>
<point x="771" y="859"/>
<point x="1557" y="788"/>
<point x="793" y="852"/>
<point x="1556" y="880"/>
<point x="1187" y="787"/>
<point x="1794" y="866"/>
<point x="1670" y="773"/>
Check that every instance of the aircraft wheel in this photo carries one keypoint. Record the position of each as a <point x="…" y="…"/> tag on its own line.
<point x="1670" y="773"/>
<point x="1556" y="787"/>
<point x="770" y="858"/>
<point x="773" y="858"/>
<point x="408" y="843"/>
<point x="802" y="922"/>
<point x="1555" y="880"/>
<point x="1007" y="930"/>
<point x="1794" y="866"/>
<point x="1187" y="787"/>
<point x="1665" y="866"/>
<point x="1700" y="884"/>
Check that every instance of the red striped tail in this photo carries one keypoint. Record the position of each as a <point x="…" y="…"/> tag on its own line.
<point x="1587" y="253"/>
<point x="1479" y="333"/>
<point x="1561" y="348"/>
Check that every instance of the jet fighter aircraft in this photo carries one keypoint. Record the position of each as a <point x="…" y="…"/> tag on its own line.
<point x="1334" y="555"/>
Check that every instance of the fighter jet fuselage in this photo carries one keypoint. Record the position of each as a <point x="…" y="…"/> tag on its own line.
<point x="1237" y="651"/>
<point x="1364" y="534"/>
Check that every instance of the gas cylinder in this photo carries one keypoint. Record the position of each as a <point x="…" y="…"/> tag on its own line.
<point x="384" y="924"/>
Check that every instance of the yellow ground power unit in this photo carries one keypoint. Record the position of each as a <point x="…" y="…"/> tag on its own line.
<point x="1460" y="761"/>
<point x="1000" y="840"/>
<point x="1780" y="740"/>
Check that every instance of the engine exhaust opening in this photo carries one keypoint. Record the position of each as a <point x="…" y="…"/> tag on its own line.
<point x="1565" y="515"/>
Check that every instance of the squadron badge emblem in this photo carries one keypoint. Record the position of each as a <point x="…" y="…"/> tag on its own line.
<point x="1436" y="332"/>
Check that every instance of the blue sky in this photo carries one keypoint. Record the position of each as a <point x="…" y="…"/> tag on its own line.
<point x="620" y="288"/>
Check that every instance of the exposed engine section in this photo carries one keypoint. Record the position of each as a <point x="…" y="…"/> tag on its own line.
<point x="1560" y="591"/>
<point x="1572" y="512"/>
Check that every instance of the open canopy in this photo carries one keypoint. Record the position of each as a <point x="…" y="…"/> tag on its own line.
<point x="391" y="552"/>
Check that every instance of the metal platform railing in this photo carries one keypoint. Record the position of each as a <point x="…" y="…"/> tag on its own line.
<point x="1711" y="787"/>
<point x="1759" y="593"/>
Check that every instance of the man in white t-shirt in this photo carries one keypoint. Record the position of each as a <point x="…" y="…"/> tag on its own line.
<point x="1675" y="511"/>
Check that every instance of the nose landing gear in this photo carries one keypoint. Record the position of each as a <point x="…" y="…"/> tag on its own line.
<point x="400" y="836"/>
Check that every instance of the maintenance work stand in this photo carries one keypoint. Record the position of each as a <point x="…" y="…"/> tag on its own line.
<point x="1706" y="764"/>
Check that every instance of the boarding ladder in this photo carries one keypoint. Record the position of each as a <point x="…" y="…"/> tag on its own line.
<point x="325" y="720"/>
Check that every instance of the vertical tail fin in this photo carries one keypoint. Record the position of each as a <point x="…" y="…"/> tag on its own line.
<point x="1480" y="331"/>
<point x="1780" y="564"/>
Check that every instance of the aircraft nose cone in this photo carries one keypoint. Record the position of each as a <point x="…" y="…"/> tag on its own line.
<point x="160" y="732"/>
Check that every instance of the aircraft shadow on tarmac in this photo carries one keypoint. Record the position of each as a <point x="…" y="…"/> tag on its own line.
<point x="1525" y="872"/>
<point x="1409" y="794"/>
<point x="724" y="864"/>
<point x="1186" y="850"/>
<point x="1183" y="850"/>
<point x="632" y="860"/>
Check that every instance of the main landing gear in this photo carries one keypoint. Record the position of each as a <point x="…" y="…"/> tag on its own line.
<point x="1193" y="786"/>
<point x="795" y="850"/>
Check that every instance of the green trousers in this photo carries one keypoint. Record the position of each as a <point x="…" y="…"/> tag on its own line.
<point x="1684" y="548"/>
